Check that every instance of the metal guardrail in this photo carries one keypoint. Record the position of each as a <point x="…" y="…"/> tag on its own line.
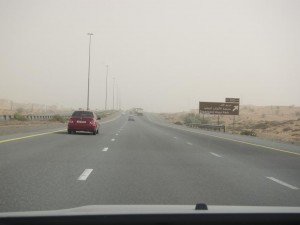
<point x="207" y="126"/>
<point x="27" y="117"/>
<point x="34" y="117"/>
<point x="65" y="115"/>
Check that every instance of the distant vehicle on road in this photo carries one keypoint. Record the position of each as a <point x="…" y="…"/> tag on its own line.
<point x="130" y="118"/>
<point x="138" y="111"/>
<point x="84" y="121"/>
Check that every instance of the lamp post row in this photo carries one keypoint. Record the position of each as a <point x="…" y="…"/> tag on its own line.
<point x="88" y="91"/>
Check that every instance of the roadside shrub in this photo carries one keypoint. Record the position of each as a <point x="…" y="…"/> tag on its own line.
<point x="194" y="118"/>
<point x="248" y="132"/>
<point x="19" y="116"/>
<point x="102" y="114"/>
<point x="106" y="113"/>
<point x="178" y="123"/>
<point x="191" y="118"/>
<point x="286" y="129"/>
<point x="237" y="128"/>
<point x="275" y="123"/>
<point x="261" y="126"/>
<point x="20" y="110"/>
<point x="58" y="118"/>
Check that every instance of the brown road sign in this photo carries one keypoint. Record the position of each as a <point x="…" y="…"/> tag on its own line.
<point x="232" y="100"/>
<point x="219" y="108"/>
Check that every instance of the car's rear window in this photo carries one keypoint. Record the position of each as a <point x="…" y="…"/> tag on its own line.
<point x="82" y="114"/>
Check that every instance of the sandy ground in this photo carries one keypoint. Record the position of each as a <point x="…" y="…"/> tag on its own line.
<point x="271" y="122"/>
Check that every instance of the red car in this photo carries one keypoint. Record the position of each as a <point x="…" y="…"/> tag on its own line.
<point x="84" y="121"/>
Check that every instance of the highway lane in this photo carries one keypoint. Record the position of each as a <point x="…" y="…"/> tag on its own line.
<point x="143" y="162"/>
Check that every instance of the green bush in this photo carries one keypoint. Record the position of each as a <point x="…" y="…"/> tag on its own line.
<point x="248" y="132"/>
<point x="19" y="116"/>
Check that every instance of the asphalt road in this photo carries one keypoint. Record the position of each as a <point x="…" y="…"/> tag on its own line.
<point x="146" y="161"/>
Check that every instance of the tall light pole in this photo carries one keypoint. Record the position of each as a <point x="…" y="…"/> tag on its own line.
<point x="106" y="87"/>
<point x="117" y="97"/>
<point x="88" y="94"/>
<point x="120" y="99"/>
<point x="114" y="93"/>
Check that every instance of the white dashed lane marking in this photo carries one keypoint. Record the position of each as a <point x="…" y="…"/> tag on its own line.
<point x="215" y="154"/>
<point x="283" y="183"/>
<point x="105" y="149"/>
<point x="113" y="139"/>
<point x="85" y="174"/>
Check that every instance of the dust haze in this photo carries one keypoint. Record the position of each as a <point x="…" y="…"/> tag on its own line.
<point x="165" y="56"/>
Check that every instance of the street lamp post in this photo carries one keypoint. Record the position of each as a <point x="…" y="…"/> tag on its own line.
<point x="120" y="99"/>
<point x="88" y="94"/>
<point x="106" y="87"/>
<point x="117" y="105"/>
<point x="114" y="93"/>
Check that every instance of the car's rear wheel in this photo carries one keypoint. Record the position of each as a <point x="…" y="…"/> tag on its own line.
<point x="94" y="132"/>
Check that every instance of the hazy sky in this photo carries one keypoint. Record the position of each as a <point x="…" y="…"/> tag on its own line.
<point x="164" y="55"/>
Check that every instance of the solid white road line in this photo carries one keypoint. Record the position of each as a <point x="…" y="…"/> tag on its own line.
<point x="105" y="149"/>
<point x="85" y="174"/>
<point x="283" y="183"/>
<point x="215" y="154"/>
<point x="113" y="139"/>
